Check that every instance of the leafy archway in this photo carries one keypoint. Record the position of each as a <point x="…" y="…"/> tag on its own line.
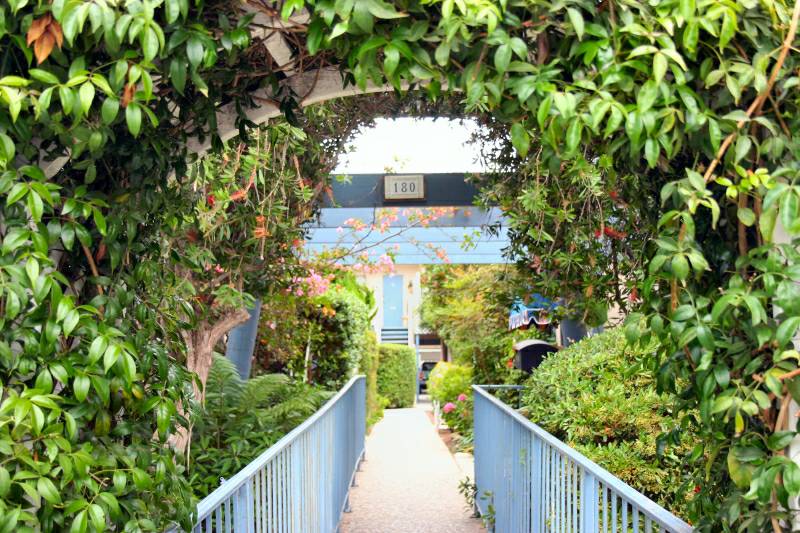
<point x="611" y="97"/>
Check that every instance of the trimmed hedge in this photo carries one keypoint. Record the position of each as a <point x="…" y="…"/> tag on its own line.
<point x="396" y="374"/>
<point x="370" y="360"/>
<point x="599" y="397"/>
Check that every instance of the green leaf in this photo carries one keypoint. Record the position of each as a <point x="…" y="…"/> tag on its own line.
<point x="647" y="96"/>
<point x="789" y="209"/>
<point x="133" y="117"/>
<point x="111" y="356"/>
<point x="721" y="403"/>
<point x="18" y="191"/>
<point x="391" y="58"/>
<point x="120" y="480"/>
<point x="79" y="523"/>
<point x="680" y="267"/>
<point x="780" y="440"/>
<point x="786" y="330"/>
<point x="5" y="482"/>
<point x="743" y="145"/>
<point x="651" y="152"/>
<point x="659" y="66"/>
<point x="194" y="51"/>
<point x="520" y="139"/>
<point x="80" y="386"/>
<point x="740" y="473"/>
<point x="43" y="76"/>
<point x="576" y="19"/>
<point x="173" y="10"/>
<point x="109" y="110"/>
<point x="791" y="478"/>
<point x="48" y="490"/>
<point x="98" y="517"/>
<point x="7" y="149"/>
<point x="177" y="73"/>
<point x="746" y="216"/>
<point x="574" y="133"/>
<point x="729" y="27"/>
<point x="150" y="44"/>
<point x="543" y="111"/>
<point x="502" y="57"/>
<point x="86" y="94"/>
<point x="71" y="321"/>
<point x="687" y="8"/>
<point x="381" y="9"/>
<point x="99" y="221"/>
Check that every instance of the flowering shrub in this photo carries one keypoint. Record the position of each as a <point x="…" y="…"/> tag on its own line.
<point x="449" y="384"/>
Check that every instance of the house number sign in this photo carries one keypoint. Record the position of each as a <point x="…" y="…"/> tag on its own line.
<point x="410" y="187"/>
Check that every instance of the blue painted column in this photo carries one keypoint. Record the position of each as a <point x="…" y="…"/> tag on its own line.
<point x="242" y="340"/>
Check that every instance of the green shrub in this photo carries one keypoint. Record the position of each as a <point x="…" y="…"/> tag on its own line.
<point x="370" y="359"/>
<point x="339" y="347"/>
<point x="598" y="397"/>
<point x="396" y="374"/>
<point x="447" y="380"/>
<point x="449" y="384"/>
<point x="241" y="419"/>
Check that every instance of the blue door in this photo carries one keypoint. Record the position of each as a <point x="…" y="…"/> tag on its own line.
<point x="392" y="302"/>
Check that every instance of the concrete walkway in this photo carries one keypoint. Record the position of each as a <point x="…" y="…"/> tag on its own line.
<point x="409" y="482"/>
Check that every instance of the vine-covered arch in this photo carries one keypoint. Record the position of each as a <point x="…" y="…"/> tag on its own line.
<point x="678" y="119"/>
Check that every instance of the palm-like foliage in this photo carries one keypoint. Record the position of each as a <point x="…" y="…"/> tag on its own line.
<point x="241" y="419"/>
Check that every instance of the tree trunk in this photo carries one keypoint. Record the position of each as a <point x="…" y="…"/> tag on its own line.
<point x="199" y="357"/>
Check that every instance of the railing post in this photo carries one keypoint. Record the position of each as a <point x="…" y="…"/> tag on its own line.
<point x="589" y="511"/>
<point x="537" y="482"/>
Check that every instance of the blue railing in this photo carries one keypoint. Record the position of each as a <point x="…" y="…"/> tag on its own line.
<point x="302" y="483"/>
<point x="529" y="481"/>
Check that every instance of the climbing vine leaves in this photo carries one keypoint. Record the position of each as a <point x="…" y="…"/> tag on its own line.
<point x="655" y="163"/>
<point x="697" y="99"/>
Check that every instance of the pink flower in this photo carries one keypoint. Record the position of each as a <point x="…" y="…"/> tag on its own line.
<point x="272" y="325"/>
<point x="462" y="397"/>
<point x="449" y="407"/>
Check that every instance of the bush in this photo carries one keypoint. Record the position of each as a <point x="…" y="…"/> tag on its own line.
<point x="343" y="317"/>
<point x="241" y="419"/>
<point x="449" y="384"/>
<point x="370" y="360"/>
<point x="598" y="397"/>
<point x="396" y="374"/>
<point x="448" y="380"/>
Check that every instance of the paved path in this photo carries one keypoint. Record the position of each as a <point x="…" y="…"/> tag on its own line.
<point x="409" y="482"/>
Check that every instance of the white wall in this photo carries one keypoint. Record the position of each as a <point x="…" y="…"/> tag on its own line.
<point x="412" y="298"/>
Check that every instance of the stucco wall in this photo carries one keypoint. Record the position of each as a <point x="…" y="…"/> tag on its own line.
<point x="412" y="298"/>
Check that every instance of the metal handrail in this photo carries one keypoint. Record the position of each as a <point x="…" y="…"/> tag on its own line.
<point x="528" y="480"/>
<point x="302" y="482"/>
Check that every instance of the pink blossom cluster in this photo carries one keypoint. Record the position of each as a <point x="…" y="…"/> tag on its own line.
<point x="449" y="407"/>
<point x="355" y="223"/>
<point x="385" y="218"/>
<point x="384" y="265"/>
<point x="314" y="284"/>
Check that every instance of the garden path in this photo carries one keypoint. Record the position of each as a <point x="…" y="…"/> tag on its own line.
<point x="409" y="481"/>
